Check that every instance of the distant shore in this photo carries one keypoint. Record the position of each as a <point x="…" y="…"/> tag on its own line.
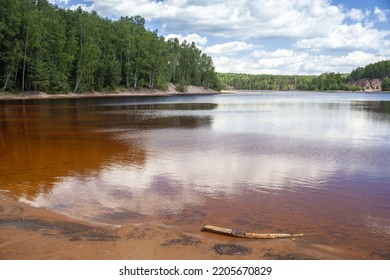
<point x="241" y="91"/>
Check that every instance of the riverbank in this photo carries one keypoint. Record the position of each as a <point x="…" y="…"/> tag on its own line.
<point x="145" y="92"/>
<point x="124" y="93"/>
<point x="238" y="91"/>
<point x="34" y="233"/>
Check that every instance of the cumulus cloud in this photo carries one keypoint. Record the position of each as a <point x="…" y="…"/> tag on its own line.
<point x="240" y="19"/>
<point x="356" y="14"/>
<point x="196" y="38"/>
<point x="300" y="19"/>
<point x="284" y="61"/>
<point x="356" y="36"/>
<point x="228" y="48"/>
<point x="345" y="64"/>
<point x="57" y="2"/>
<point x="380" y="14"/>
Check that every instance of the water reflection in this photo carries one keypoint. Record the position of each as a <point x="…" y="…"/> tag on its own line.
<point x="337" y="121"/>
<point x="41" y="143"/>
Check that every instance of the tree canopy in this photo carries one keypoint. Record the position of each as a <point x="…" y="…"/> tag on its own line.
<point x="326" y="81"/>
<point x="47" y="48"/>
<point x="377" y="70"/>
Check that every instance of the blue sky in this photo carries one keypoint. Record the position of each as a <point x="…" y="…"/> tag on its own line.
<point x="266" y="36"/>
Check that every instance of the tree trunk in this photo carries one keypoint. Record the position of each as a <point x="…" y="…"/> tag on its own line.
<point x="6" y="80"/>
<point x="135" y="78"/>
<point x="24" y="62"/>
<point x="78" y="81"/>
<point x="152" y="78"/>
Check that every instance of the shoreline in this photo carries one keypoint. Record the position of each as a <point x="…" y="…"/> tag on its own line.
<point x="243" y="91"/>
<point x="191" y="90"/>
<point x="152" y="93"/>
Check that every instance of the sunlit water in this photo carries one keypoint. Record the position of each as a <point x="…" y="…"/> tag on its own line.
<point x="316" y="163"/>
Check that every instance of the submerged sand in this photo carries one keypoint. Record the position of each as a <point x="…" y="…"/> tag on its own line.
<point x="34" y="233"/>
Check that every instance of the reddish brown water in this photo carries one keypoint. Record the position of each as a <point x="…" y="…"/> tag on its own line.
<point x="317" y="164"/>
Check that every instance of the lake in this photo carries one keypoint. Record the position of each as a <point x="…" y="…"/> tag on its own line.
<point x="291" y="162"/>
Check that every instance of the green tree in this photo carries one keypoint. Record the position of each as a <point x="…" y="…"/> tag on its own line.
<point x="88" y="50"/>
<point x="386" y="84"/>
<point x="10" y="45"/>
<point x="377" y="70"/>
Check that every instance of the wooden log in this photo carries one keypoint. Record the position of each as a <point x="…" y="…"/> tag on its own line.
<point x="242" y="234"/>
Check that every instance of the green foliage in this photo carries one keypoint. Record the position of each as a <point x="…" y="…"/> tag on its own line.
<point x="181" y="86"/>
<point x="45" y="48"/>
<point x="386" y="84"/>
<point x="377" y="70"/>
<point x="326" y="81"/>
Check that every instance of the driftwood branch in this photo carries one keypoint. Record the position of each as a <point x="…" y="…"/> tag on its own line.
<point x="242" y="234"/>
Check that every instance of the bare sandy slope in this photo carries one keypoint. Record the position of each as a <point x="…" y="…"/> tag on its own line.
<point x="32" y="233"/>
<point x="145" y="92"/>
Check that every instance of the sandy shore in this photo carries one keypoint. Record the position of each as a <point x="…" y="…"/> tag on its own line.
<point x="33" y="233"/>
<point x="145" y="92"/>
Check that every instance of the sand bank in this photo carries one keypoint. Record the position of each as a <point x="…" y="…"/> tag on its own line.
<point x="144" y="92"/>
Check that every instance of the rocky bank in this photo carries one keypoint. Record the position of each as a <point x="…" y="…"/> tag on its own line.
<point x="369" y="84"/>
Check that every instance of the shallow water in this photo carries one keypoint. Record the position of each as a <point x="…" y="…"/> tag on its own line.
<point x="316" y="163"/>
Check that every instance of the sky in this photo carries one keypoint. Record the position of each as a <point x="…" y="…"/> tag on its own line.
<point x="266" y="36"/>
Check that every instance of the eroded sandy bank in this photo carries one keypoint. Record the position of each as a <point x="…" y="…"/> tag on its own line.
<point x="145" y="92"/>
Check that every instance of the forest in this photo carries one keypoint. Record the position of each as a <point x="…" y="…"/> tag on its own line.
<point x="379" y="70"/>
<point x="326" y="81"/>
<point x="50" y="49"/>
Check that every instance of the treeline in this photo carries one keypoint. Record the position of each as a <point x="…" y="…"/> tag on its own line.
<point x="378" y="70"/>
<point x="326" y="81"/>
<point x="50" y="49"/>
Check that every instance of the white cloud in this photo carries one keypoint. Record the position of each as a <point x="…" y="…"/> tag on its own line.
<point x="57" y="2"/>
<point x="283" y="61"/>
<point x="261" y="62"/>
<point x="356" y="14"/>
<point x="380" y="14"/>
<point x="197" y="39"/>
<point x="344" y="36"/>
<point x="228" y="48"/>
<point x="315" y="23"/>
<point x="345" y="64"/>
<point x="240" y="19"/>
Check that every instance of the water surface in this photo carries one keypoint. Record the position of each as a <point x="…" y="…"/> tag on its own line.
<point x="316" y="163"/>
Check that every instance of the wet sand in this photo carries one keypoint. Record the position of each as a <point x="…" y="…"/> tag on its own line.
<point x="34" y="233"/>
